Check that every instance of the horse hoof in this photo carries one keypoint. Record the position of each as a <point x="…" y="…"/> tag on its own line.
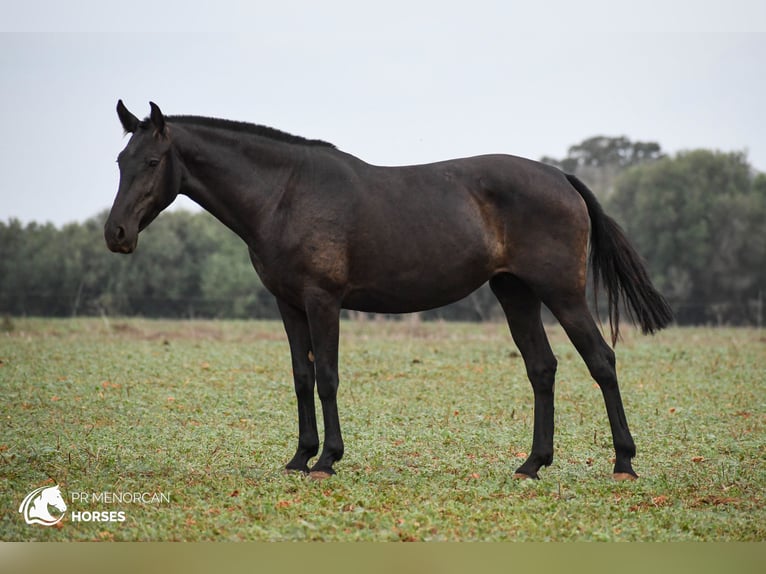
<point x="319" y="475"/>
<point x="622" y="476"/>
<point x="522" y="476"/>
<point x="288" y="471"/>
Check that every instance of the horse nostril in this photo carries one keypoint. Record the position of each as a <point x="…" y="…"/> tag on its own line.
<point x="120" y="233"/>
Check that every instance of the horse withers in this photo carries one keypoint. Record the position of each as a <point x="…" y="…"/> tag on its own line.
<point x="327" y="231"/>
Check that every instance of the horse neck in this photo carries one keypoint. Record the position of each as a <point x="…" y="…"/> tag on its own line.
<point x="236" y="177"/>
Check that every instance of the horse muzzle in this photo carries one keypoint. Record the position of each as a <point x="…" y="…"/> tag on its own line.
<point x="120" y="239"/>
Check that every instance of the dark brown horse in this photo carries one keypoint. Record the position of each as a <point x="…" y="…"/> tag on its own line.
<point x="327" y="231"/>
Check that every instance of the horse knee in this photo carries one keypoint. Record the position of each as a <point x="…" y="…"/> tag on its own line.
<point x="304" y="383"/>
<point x="327" y="392"/>
<point x="542" y="374"/>
<point x="327" y="385"/>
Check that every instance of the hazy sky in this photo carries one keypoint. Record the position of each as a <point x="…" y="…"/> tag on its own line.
<point x="391" y="82"/>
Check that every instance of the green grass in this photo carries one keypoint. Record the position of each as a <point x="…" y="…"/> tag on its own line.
<point x="435" y="418"/>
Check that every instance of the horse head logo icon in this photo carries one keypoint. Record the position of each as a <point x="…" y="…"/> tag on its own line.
<point x="36" y="506"/>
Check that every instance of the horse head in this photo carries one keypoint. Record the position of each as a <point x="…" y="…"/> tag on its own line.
<point x="150" y="178"/>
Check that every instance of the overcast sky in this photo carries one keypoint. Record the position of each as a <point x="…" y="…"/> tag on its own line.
<point x="391" y="82"/>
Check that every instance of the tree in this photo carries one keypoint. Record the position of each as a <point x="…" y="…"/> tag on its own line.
<point x="187" y="265"/>
<point x="599" y="160"/>
<point x="33" y="270"/>
<point x="228" y="283"/>
<point x="699" y="219"/>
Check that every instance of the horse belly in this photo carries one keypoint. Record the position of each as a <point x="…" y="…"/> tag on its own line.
<point x="418" y="279"/>
<point x="375" y="300"/>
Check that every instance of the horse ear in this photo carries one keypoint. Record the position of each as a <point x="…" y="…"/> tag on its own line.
<point x="157" y="118"/>
<point x="129" y="121"/>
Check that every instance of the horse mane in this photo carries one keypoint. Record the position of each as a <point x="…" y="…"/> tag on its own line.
<point x="244" y="127"/>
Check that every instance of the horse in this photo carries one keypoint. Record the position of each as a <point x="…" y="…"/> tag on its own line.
<point x="34" y="507"/>
<point x="327" y="231"/>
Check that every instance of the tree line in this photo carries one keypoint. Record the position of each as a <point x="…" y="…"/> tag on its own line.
<point x="698" y="218"/>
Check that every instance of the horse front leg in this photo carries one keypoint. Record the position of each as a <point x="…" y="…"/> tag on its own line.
<point x="297" y="329"/>
<point x="323" y="313"/>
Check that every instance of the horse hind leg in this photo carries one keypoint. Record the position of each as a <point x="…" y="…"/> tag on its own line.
<point x="575" y="317"/>
<point x="522" y="310"/>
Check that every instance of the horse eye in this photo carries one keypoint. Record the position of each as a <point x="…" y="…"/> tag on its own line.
<point x="153" y="162"/>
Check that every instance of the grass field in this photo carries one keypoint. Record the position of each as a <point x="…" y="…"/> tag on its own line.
<point x="436" y="417"/>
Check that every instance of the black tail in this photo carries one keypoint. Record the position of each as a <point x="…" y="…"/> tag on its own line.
<point x="616" y="265"/>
